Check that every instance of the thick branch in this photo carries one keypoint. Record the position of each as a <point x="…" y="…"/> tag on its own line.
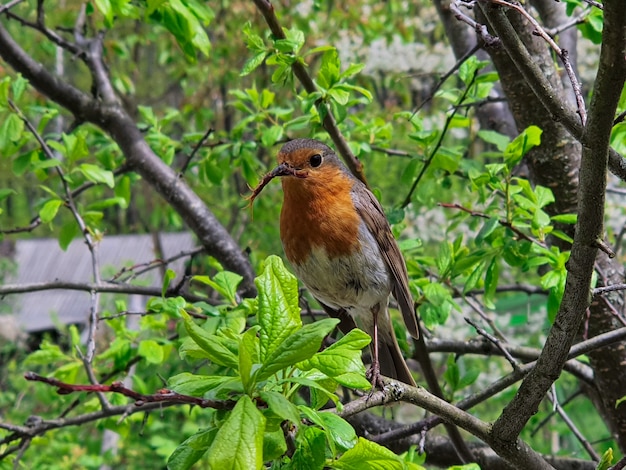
<point x="541" y="86"/>
<point x="595" y="137"/>
<point x="519" y="454"/>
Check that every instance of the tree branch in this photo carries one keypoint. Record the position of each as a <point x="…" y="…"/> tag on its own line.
<point x="519" y="454"/>
<point x="7" y="289"/>
<point x="501" y="384"/>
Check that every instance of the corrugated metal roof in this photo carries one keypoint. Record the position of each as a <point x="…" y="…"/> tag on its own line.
<point x="42" y="260"/>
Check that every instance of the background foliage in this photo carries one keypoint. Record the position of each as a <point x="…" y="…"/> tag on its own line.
<point x="481" y="197"/>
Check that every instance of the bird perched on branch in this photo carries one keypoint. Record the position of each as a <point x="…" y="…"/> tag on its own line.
<point x="340" y="245"/>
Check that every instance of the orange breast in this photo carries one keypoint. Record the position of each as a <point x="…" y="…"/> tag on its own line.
<point x="318" y="212"/>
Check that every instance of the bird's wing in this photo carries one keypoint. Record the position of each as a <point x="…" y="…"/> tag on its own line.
<point x="372" y="214"/>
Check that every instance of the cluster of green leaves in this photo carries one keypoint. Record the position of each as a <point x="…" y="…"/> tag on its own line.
<point x="263" y="368"/>
<point x="514" y="230"/>
<point x="186" y="20"/>
<point x="259" y="370"/>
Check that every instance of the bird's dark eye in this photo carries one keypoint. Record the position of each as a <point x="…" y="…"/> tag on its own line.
<point x="315" y="160"/>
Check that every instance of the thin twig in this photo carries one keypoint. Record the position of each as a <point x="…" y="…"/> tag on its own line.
<point x="496" y="342"/>
<point x="197" y="147"/>
<point x="481" y="29"/>
<point x="442" y="135"/>
<point x="134" y="271"/>
<point x="570" y="424"/>
<point x="503" y="222"/>
<point x="9" y="5"/>
<point x="593" y="3"/>
<point x="34" y="223"/>
<point x="562" y="53"/>
<point x="477" y="307"/>
<point x="164" y="395"/>
<point x="573" y="21"/>
<point x="606" y="289"/>
<point x="104" y="286"/>
<point x="445" y="77"/>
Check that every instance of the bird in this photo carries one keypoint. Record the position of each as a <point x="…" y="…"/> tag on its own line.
<point x="339" y="243"/>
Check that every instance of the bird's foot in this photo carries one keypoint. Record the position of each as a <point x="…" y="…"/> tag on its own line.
<point x="373" y="375"/>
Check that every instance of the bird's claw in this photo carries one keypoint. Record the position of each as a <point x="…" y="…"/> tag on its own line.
<point x="373" y="375"/>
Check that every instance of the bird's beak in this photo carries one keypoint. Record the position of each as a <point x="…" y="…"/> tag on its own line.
<point x="284" y="169"/>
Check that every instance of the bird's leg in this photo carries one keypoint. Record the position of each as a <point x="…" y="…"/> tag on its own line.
<point x="373" y="374"/>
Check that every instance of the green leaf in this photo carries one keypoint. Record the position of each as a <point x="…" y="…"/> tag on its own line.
<point x="215" y="346"/>
<point x="367" y="455"/>
<point x="487" y="229"/>
<point x="224" y="282"/>
<point x="274" y="445"/>
<point x="341" y="432"/>
<point x="352" y="69"/>
<point x="444" y="258"/>
<point x="191" y="450"/>
<point x="452" y="374"/>
<point x="167" y="278"/>
<point x="278" y="309"/>
<point x="281" y="406"/>
<point x="5" y="84"/>
<point x="329" y="69"/>
<point x="196" y="385"/>
<point x="310" y="450"/>
<point x="152" y="351"/>
<point x="238" y="444"/>
<point x="296" y="347"/>
<point x="106" y="9"/>
<point x="107" y="203"/>
<point x="358" y="89"/>
<point x="122" y="190"/>
<point x="491" y="282"/>
<point x="49" y="210"/>
<point x="186" y="21"/>
<point x="252" y="63"/>
<point x="474" y="277"/>
<point x="6" y="192"/>
<point x="340" y="96"/>
<point x="271" y="135"/>
<point x="606" y="461"/>
<point x="499" y="140"/>
<point x="529" y="138"/>
<point x="253" y="40"/>
<point x="47" y="354"/>
<point x="342" y="360"/>
<point x="248" y="357"/>
<point x="468" y="69"/>
<point x="565" y="218"/>
<point x="11" y="130"/>
<point x="96" y="174"/>
<point x="75" y="146"/>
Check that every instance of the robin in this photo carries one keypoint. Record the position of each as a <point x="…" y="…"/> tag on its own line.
<point x="339" y="243"/>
